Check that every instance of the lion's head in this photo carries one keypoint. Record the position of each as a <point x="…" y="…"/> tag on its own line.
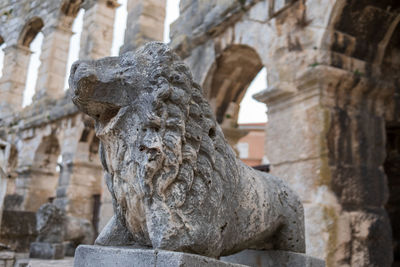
<point x="161" y="146"/>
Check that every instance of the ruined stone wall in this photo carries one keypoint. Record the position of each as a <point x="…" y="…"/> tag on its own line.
<point x="332" y="92"/>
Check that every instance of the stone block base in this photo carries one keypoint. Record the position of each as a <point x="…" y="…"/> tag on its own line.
<point x="98" y="256"/>
<point x="7" y="258"/>
<point x="46" y="250"/>
<point x="273" y="258"/>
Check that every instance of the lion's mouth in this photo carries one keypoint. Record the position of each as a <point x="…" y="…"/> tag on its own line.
<point x="152" y="156"/>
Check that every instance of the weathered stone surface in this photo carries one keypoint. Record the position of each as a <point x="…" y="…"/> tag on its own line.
<point x="128" y="256"/>
<point x="147" y="23"/>
<point x="67" y="262"/>
<point x="45" y="250"/>
<point x="7" y="258"/>
<point x="175" y="182"/>
<point x="273" y="258"/>
<point x="50" y="224"/>
<point x="18" y="229"/>
<point x="107" y="257"/>
<point x="204" y="17"/>
<point x="54" y="227"/>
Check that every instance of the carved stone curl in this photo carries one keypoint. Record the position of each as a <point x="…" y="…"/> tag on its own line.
<point x="175" y="182"/>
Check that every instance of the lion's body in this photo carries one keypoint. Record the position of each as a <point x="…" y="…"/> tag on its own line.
<point x="175" y="182"/>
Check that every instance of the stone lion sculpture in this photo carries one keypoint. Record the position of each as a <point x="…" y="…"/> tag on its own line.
<point x="175" y="182"/>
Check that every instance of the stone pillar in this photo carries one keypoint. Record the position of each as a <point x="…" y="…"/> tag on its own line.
<point x="12" y="83"/>
<point x="79" y="181"/>
<point x="81" y="174"/>
<point x="297" y="150"/>
<point x="325" y="137"/>
<point x="53" y="59"/>
<point x="98" y="28"/>
<point x="145" y="23"/>
<point x="37" y="186"/>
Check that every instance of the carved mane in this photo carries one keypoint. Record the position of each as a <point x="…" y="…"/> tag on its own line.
<point x="188" y="128"/>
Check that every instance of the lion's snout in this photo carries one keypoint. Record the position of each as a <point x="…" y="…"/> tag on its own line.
<point x="82" y="76"/>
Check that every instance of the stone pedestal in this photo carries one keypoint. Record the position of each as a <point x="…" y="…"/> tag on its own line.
<point x="7" y="258"/>
<point x="43" y="250"/>
<point x="273" y="258"/>
<point x="99" y="256"/>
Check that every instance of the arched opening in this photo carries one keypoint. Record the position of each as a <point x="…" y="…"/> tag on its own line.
<point x="32" y="38"/>
<point x="44" y="175"/>
<point x="238" y="67"/>
<point x="2" y="46"/>
<point x="171" y="14"/>
<point x="70" y="8"/>
<point x="121" y="14"/>
<point x="30" y="31"/>
<point x="74" y="44"/>
<point x="252" y="118"/>
<point x="235" y="69"/>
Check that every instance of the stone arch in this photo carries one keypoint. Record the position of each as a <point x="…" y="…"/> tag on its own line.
<point x="30" y="30"/>
<point x="234" y="70"/>
<point x="16" y="63"/>
<point x="71" y="8"/>
<point x="43" y="174"/>
<point x="361" y="30"/>
<point x="227" y="82"/>
<point x="29" y="33"/>
<point x="364" y="48"/>
<point x="74" y="41"/>
<point x="47" y="153"/>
